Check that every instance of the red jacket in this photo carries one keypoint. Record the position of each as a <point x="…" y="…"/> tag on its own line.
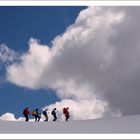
<point x="26" y="112"/>
<point x="65" y="111"/>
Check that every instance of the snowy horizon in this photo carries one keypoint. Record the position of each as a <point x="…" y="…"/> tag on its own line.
<point x="118" y="125"/>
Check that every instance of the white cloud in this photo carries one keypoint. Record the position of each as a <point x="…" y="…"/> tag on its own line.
<point x="7" y="55"/>
<point x="82" y="109"/>
<point x="31" y="66"/>
<point x="77" y="65"/>
<point x="8" y="117"/>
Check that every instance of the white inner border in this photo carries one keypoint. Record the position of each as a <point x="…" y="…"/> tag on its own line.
<point x="70" y="136"/>
<point x="69" y="3"/>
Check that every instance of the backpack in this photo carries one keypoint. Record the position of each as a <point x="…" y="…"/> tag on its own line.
<point x="24" y="111"/>
<point x="65" y="110"/>
<point x="44" y="113"/>
<point x="53" y="112"/>
<point x="34" y="113"/>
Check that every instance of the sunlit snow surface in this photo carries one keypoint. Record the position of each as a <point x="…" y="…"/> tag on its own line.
<point x="127" y="124"/>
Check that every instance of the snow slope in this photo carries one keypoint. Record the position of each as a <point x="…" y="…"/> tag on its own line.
<point x="127" y="124"/>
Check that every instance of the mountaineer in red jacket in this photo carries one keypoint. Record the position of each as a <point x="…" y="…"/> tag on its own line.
<point x="66" y="113"/>
<point x="26" y="113"/>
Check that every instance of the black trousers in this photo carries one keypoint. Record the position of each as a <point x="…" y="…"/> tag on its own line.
<point x="37" y="118"/>
<point x="55" y="118"/>
<point x="26" y="118"/>
<point x="67" y="116"/>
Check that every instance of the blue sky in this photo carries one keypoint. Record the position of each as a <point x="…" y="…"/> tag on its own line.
<point x="17" y="26"/>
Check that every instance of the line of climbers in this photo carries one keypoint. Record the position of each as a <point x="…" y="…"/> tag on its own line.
<point x="37" y="115"/>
